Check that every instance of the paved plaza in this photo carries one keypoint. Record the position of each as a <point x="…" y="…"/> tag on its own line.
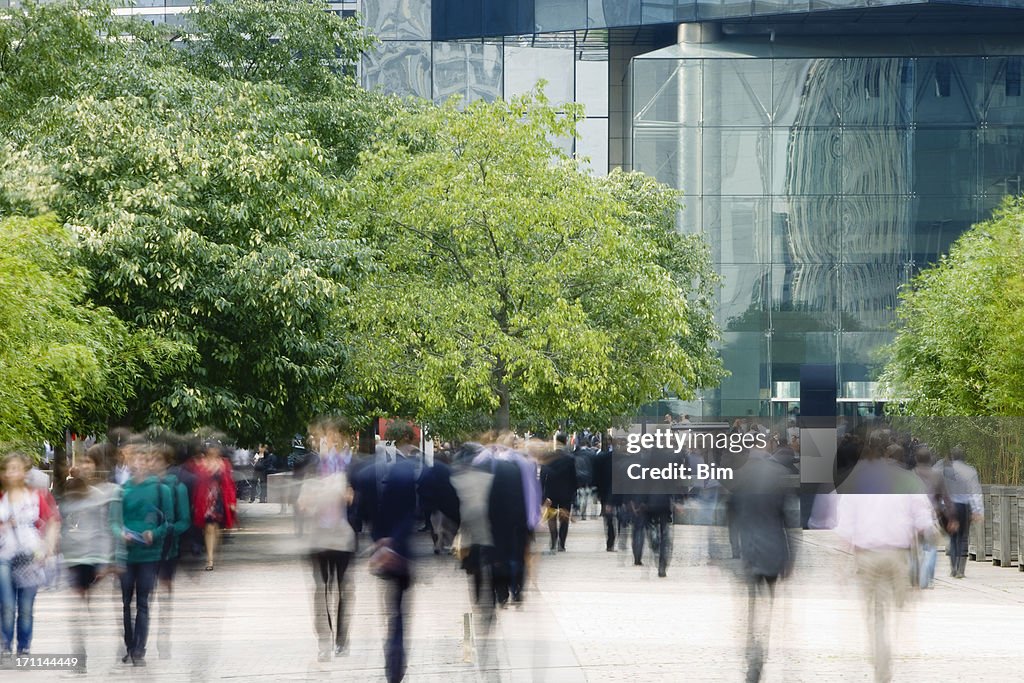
<point x="589" y="616"/>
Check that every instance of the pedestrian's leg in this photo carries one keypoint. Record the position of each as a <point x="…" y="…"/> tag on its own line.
<point x="321" y="610"/>
<point x="563" y="529"/>
<point x="210" y="534"/>
<point x="128" y="577"/>
<point x="144" y="586"/>
<point x="7" y="594"/>
<point x="553" y="527"/>
<point x="26" y="603"/>
<point x="80" y="617"/>
<point x="395" y="649"/>
<point x="609" y="528"/>
<point x="165" y="598"/>
<point x="625" y="519"/>
<point x="964" y="513"/>
<point x="344" y="602"/>
<point x="665" y="544"/>
<point x="755" y="620"/>
<point x="639" y="524"/>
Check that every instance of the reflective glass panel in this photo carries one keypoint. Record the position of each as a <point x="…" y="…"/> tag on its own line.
<point x="737" y="161"/>
<point x="738" y="92"/>
<point x="399" y="67"/>
<point x="737" y="228"/>
<point x="525" y="66"/>
<point x="593" y="143"/>
<point x="938" y="221"/>
<point x="471" y="71"/>
<point x="560" y="15"/>
<point x="398" y="19"/>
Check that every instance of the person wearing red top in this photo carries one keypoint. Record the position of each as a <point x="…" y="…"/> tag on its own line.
<point x="213" y="498"/>
<point x="29" y="529"/>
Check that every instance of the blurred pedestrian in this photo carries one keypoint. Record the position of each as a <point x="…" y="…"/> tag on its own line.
<point x="965" y="491"/>
<point x="213" y="502"/>
<point x="29" y="531"/>
<point x="323" y="500"/>
<point x="90" y="511"/>
<point x="602" y="474"/>
<point x="389" y="493"/>
<point x="178" y="524"/>
<point x="881" y="510"/>
<point x="558" y="485"/>
<point x="145" y="514"/>
<point x="945" y="513"/>
<point x="765" y="508"/>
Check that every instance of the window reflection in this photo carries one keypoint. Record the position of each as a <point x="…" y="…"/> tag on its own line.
<point x="822" y="185"/>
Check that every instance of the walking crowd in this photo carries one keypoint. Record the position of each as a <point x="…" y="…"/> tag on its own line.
<point x="487" y="503"/>
<point x="161" y="497"/>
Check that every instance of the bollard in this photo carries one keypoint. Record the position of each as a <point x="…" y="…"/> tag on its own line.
<point x="467" y="637"/>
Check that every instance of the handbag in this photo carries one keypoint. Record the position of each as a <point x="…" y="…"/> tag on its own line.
<point x="26" y="570"/>
<point x="387" y="563"/>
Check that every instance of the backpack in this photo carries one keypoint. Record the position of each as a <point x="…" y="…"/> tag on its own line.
<point x="169" y="537"/>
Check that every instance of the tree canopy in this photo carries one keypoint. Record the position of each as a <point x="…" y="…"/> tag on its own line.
<point x="208" y="204"/>
<point x="958" y="348"/>
<point x="61" y="357"/>
<point x="517" y="285"/>
<point x="252" y="240"/>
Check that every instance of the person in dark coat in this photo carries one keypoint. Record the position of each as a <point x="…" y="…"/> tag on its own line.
<point x="389" y="497"/>
<point x="507" y="515"/>
<point x="601" y="467"/>
<point x="765" y="509"/>
<point x="558" y="486"/>
<point x="652" y="516"/>
<point x="439" y="502"/>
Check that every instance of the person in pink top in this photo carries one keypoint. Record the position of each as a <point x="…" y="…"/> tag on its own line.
<point x="882" y="508"/>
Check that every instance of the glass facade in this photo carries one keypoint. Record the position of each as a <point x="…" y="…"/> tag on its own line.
<point x="822" y="184"/>
<point x="453" y="19"/>
<point x="574" y="67"/>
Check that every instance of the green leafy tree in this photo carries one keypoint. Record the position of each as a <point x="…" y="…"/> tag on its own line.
<point x="46" y="49"/>
<point x="958" y="348"/>
<point x="210" y="208"/>
<point x="62" y="360"/>
<point x="513" y="284"/>
<point x="297" y="43"/>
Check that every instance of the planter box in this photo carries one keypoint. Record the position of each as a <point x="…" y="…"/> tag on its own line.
<point x="1020" y="528"/>
<point x="1004" y="514"/>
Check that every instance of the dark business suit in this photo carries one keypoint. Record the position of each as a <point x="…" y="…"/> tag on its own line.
<point x="392" y="490"/>
<point x="558" y="483"/>
<point x="601" y="465"/>
<point x="762" y="516"/>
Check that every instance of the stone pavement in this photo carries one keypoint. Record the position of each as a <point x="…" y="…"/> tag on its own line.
<point x="589" y="616"/>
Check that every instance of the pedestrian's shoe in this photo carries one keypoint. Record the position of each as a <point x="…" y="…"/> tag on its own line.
<point x="340" y="650"/>
<point x="661" y="573"/>
<point x="138" y="661"/>
<point x="637" y="563"/>
<point x="323" y="656"/>
<point x="126" y="659"/>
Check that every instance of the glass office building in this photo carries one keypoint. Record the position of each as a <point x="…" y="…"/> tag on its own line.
<point x="827" y="149"/>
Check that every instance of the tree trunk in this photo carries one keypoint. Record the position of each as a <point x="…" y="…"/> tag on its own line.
<point x="502" y="418"/>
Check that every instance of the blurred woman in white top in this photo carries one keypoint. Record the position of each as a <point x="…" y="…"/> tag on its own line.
<point x="324" y="501"/>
